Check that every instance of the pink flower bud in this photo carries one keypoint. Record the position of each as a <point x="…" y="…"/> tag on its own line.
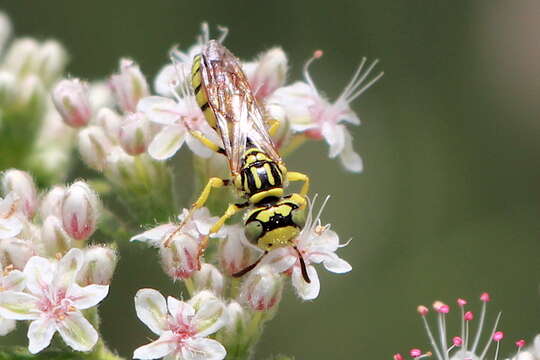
<point x="485" y="297"/>
<point x="80" y="211"/>
<point x="457" y="341"/>
<point x="268" y="73"/>
<point x="209" y="277"/>
<point x="422" y="310"/>
<point x="415" y="353"/>
<point x="181" y="258"/>
<point x="22" y="184"/>
<point x="99" y="265"/>
<point x="110" y="121"/>
<point x="135" y="134"/>
<point x="234" y="255"/>
<point x="70" y="97"/>
<point x="498" y="336"/>
<point x="262" y="289"/>
<point x="51" y="203"/>
<point x="94" y="147"/>
<point x="129" y="86"/>
<point x="54" y="238"/>
<point x="16" y="252"/>
<point x="468" y="316"/>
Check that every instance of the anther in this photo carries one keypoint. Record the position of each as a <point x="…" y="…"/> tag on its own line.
<point x="498" y="336"/>
<point x="520" y="343"/>
<point x="468" y="316"/>
<point x="461" y="302"/>
<point x="485" y="297"/>
<point x="422" y="310"/>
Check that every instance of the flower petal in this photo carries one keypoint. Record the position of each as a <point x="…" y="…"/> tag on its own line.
<point x="156" y="235"/>
<point x="6" y="326"/>
<point x="10" y="227"/>
<point x="39" y="273"/>
<point x="203" y="349"/>
<point x="13" y="281"/>
<point x="18" y="306"/>
<point x="335" y="137"/>
<point x="280" y="259"/>
<point x="159" y="109"/>
<point x="180" y="311"/>
<point x="40" y="333"/>
<point x="210" y="317"/>
<point x="307" y="291"/>
<point x="156" y="349"/>
<point x="349" y="158"/>
<point x="88" y="296"/>
<point x="167" y="142"/>
<point x="198" y="148"/>
<point x="77" y="332"/>
<point x="336" y="265"/>
<point x="67" y="269"/>
<point x="151" y="309"/>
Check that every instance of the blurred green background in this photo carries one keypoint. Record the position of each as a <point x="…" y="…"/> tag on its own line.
<point x="449" y="202"/>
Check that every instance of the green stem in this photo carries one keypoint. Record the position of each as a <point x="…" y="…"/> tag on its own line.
<point x="235" y="288"/>
<point x="101" y="352"/>
<point x="190" y="286"/>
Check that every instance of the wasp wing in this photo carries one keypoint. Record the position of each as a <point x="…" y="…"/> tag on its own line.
<point x="238" y="116"/>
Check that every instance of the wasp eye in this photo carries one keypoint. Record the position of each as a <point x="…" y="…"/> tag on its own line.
<point x="299" y="217"/>
<point x="253" y="231"/>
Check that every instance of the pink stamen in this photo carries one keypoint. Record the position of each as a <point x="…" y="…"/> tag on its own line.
<point x="398" y="356"/>
<point x="520" y="343"/>
<point x="415" y="353"/>
<point x="468" y="316"/>
<point x="461" y="302"/>
<point x="498" y="336"/>
<point x="485" y="297"/>
<point x="422" y="310"/>
<point x="457" y="341"/>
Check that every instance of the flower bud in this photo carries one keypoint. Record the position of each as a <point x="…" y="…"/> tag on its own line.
<point x="51" y="202"/>
<point x="237" y="320"/>
<point x="70" y="97"/>
<point x="22" y="184"/>
<point x="94" y="147"/>
<point x="7" y="88"/>
<point x="135" y="134"/>
<point x="129" y="86"/>
<point x="100" y="95"/>
<point x="80" y="211"/>
<point x="110" y="121"/>
<point x="181" y="258"/>
<point x="30" y="94"/>
<point x="234" y="255"/>
<point x="99" y="265"/>
<point x="209" y="277"/>
<point x="120" y="167"/>
<point x="262" y="289"/>
<point x="268" y="73"/>
<point x="54" y="238"/>
<point x="51" y="60"/>
<point x="21" y="56"/>
<point x="16" y="252"/>
<point x="5" y="30"/>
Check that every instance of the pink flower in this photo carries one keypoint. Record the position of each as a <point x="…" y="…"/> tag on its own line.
<point x="129" y="85"/>
<point x="183" y="327"/>
<point x="309" y="112"/>
<point x="53" y="303"/>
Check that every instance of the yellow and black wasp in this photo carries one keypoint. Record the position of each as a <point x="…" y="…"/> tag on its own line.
<point x="257" y="171"/>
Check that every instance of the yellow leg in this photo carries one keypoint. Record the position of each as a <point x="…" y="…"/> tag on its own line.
<point x="274" y="126"/>
<point x="207" y="142"/>
<point x="296" y="176"/>
<point x="214" y="182"/>
<point x="231" y="211"/>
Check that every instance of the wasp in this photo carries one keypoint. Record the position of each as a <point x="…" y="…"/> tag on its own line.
<point x="257" y="171"/>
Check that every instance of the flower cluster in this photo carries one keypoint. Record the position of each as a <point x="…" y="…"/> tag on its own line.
<point x="48" y="274"/>
<point x="464" y="345"/>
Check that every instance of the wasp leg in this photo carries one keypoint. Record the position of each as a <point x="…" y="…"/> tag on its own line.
<point x="274" y="126"/>
<point x="207" y="142"/>
<point x="214" y="182"/>
<point x="296" y="176"/>
<point x="230" y="212"/>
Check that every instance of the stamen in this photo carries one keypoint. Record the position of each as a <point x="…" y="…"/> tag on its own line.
<point x="497" y="337"/>
<point x="415" y="353"/>
<point x="302" y="266"/>
<point x="442" y="333"/>
<point x="350" y="98"/>
<point x="431" y="338"/>
<point x="205" y="34"/>
<point x="317" y="54"/>
<point x="422" y="310"/>
<point x="493" y="335"/>
<point x="398" y="357"/>
<point x="224" y="32"/>
<point x="485" y="298"/>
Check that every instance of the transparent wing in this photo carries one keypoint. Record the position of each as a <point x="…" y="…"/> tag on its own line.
<point x="239" y="118"/>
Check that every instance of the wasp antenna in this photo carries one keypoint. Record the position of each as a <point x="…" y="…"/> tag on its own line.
<point x="224" y="32"/>
<point x="250" y="267"/>
<point x="303" y="266"/>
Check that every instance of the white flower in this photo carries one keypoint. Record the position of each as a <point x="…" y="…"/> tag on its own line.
<point x="179" y="245"/>
<point x="182" y="327"/>
<point x="267" y="73"/>
<point x="53" y="303"/>
<point x="10" y="217"/>
<point x="308" y="111"/>
<point x="316" y="244"/>
<point x="10" y="280"/>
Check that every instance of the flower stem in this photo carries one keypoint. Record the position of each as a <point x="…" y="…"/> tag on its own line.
<point x="190" y="286"/>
